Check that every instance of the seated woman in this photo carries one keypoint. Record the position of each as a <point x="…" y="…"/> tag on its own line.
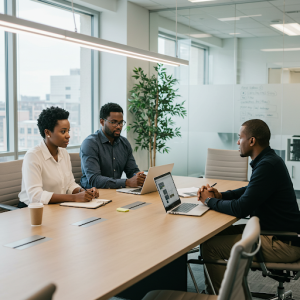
<point x="47" y="172"/>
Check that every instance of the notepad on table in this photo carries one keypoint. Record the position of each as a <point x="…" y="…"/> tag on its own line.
<point x="188" y="192"/>
<point x="95" y="203"/>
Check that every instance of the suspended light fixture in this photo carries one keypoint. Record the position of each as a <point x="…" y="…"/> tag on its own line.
<point x="16" y="25"/>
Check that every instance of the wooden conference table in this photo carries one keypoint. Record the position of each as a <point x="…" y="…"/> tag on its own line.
<point x="102" y="260"/>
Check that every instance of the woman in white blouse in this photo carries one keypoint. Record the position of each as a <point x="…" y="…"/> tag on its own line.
<point x="47" y="172"/>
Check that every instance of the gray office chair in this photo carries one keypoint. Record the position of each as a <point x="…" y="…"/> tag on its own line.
<point x="76" y="166"/>
<point x="281" y="272"/>
<point x="10" y="184"/>
<point x="234" y="285"/>
<point x="226" y="164"/>
<point x="45" y="293"/>
<point x="11" y="180"/>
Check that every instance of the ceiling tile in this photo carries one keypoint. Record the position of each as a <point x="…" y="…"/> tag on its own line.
<point x="254" y="5"/>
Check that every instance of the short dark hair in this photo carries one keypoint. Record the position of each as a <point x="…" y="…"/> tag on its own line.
<point x="48" y="118"/>
<point x="109" y="107"/>
<point x="258" y="129"/>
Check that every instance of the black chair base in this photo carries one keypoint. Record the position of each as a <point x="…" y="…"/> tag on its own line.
<point x="287" y="295"/>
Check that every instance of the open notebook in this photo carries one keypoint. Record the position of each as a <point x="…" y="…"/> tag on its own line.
<point x="95" y="203"/>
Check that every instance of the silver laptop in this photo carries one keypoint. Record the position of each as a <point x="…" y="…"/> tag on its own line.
<point x="171" y="201"/>
<point x="149" y="185"/>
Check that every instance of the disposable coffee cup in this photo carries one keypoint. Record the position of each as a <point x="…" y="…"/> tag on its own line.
<point x="36" y="213"/>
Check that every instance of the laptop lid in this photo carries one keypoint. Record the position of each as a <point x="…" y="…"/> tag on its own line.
<point x="149" y="185"/>
<point x="167" y="191"/>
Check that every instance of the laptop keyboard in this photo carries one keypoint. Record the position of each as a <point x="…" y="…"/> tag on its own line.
<point x="185" y="207"/>
<point x="137" y="190"/>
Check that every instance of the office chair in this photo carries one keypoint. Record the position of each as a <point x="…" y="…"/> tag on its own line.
<point x="46" y="293"/>
<point x="281" y="272"/>
<point x="226" y="164"/>
<point x="76" y="166"/>
<point x="10" y="184"/>
<point x="11" y="180"/>
<point x="234" y="285"/>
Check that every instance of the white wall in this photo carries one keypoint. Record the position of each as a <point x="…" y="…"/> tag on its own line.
<point x="113" y="68"/>
<point x="137" y="36"/>
<point x="129" y="25"/>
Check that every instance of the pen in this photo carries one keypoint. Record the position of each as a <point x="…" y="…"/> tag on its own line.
<point x="213" y="184"/>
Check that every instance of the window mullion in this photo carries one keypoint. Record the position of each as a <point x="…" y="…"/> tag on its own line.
<point x="11" y="83"/>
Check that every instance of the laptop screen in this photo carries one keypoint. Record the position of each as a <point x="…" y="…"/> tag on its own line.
<point x="167" y="190"/>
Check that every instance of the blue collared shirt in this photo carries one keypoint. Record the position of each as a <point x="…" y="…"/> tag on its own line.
<point x="102" y="164"/>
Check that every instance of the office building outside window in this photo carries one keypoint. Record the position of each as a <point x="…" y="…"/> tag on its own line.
<point x="45" y="74"/>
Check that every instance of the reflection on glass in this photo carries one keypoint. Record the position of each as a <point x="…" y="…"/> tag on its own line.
<point x="3" y="140"/>
<point x="52" y="73"/>
<point x="47" y="14"/>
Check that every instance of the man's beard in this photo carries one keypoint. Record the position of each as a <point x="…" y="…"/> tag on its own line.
<point x="111" y="134"/>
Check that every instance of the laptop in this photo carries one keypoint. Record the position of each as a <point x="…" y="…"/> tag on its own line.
<point x="149" y="185"/>
<point x="171" y="201"/>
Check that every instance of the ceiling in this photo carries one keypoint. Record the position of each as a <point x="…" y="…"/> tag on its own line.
<point x="204" y="16"/>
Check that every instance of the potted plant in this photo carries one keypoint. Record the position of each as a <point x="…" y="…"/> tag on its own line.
<point x="153" y="105"/>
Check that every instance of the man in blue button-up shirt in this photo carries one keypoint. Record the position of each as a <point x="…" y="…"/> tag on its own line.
<point x="105" y="154"/>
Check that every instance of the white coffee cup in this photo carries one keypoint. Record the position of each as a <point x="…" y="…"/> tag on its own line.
<point x="36" y="213"/>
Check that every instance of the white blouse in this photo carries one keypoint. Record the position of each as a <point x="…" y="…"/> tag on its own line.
<point x="43" y="176"/>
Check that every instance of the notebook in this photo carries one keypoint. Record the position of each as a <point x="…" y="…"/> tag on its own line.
<point x="95" y="203"/>
<point x="188" y="192"/>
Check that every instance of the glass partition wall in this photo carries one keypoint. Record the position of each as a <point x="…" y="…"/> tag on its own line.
<point x="244" y="64"/>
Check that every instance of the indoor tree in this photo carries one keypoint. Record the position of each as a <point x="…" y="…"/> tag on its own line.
<point x="153" y="104"/>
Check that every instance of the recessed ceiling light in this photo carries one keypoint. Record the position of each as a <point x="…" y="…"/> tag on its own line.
<point x="234" y="33"/>
<point x="200" y="35"/>
<point x="289" y="29"/>
<point x="201" y="0"/>
<point x="280" y="49"/>
<point x="237" y="18"/>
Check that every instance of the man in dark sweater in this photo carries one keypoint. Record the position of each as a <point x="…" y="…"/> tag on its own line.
<point x="269" y="196"/>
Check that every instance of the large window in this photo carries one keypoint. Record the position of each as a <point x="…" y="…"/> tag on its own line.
<point x="49" y="73"/>
<point x="46" y="67"/>
<point x="194" y="52"/>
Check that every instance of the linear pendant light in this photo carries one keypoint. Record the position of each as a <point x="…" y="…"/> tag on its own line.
<point x="16" y="25"/>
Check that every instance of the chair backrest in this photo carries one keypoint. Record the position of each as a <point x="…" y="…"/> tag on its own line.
<point x="10" y="181"/>
<point x="226" y="164"/>
<point x="45" y="293"/>
<point x="76" y="166"/>
<point x="234" y="285"/>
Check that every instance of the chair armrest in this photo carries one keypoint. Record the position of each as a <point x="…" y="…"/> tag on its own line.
<point x="281" y="234"/>
<point x="8" y="207"/>
<point x="202" y="262"/>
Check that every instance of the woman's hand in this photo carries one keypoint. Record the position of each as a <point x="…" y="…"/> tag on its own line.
<point x="94" y="191"/>
<point x="85" y="196"/>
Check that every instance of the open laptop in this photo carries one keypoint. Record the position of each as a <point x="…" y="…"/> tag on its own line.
<point x="171" y="201"/>
<point x="149" y="185"/>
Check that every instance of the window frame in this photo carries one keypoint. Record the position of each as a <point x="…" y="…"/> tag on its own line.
<point x="193" y="44"/>
<point x="11" y="82"/>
